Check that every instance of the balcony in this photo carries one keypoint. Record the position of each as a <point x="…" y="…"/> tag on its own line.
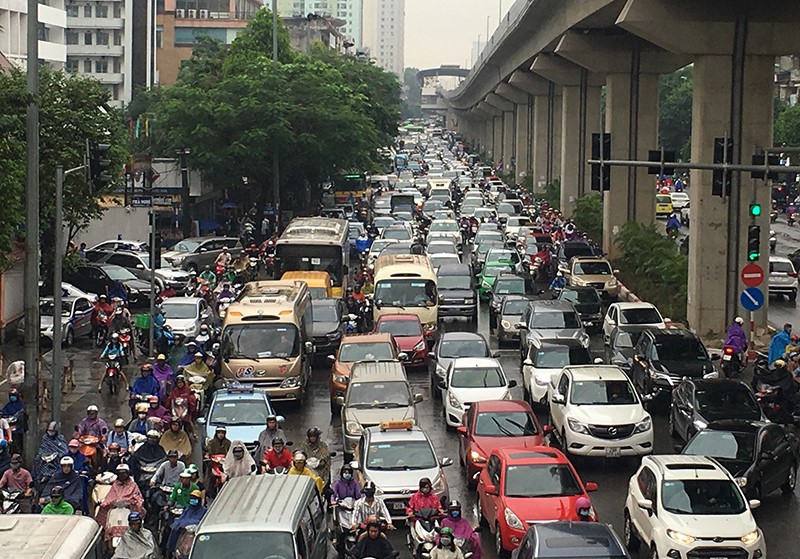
<point x="109" y="79"/>
<point x="95" y="22"/>
<point x="95" y="50"/>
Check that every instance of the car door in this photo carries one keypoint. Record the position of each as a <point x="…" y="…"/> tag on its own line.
<point x="682" y="408"/>
<point x="206" y="252"/>
<point x="557" y="411"/>
<point x="490" y="476"/>
<point x="644" y="487"/>
<point x="94" y="280"/>
<point x="609" y="323"/>
<point x="465" y="438"/>
<point x="773" y="467"/>
<point x="130" y="263"/>
<point x="83" y="316"/>
<point x="639" y="364"/>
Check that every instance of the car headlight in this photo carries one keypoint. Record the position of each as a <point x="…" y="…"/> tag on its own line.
<point x="699" y="425"/>
<point x="333" y="335"/>
<point x="542" y="380"/>
<point x="578" y="281"/>
<point x="645" y="425"/>
<point x="477" y="457"/>
<point x="438" y="484"/>
<point x="741" y="481"/>
<point x="751" y="537"/>
<point x="340" y="379"/>
<point x="469" y="301"/>
<point x="680" y="537"/>
<point x="612" y="283"/>
<point x="353" y="428"/>
<point x="485" y="284"/>
<point x="178" y="260"/>
<point x="291" y="382"/>
<point x="577" y="426"/>
<point x="420" y="346"/>
<point x="505" y="324"/>
<point x="513" y="520"/>
<point x="453" y="401"/>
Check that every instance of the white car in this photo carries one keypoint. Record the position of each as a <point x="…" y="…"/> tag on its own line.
<point x="472" y="379"/>
<point x="690" y="506"/>
<point x="782" y="277"/>
<point x="597" y="412"/>
<point x="439" y="258"/>
<point x="626" y="314"/>
<point x="545" y="361"/>
<point x="185" y="314"/>
<point x="375" y="249"/>
<point x="679" y="200"/>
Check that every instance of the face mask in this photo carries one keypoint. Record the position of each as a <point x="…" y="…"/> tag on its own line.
<point x="152" y="441"/>
<point x="425" y="490"/>
<point x="446" y="541"/>
<point x="141" y="416"/>
<point x="455" y="513"/>
<point x="347" y="476"/>
<point x="12" y="399"/>
<point x="51" y="433"/>
<point x="113" y="455"/>
<point x="123" y="476"/>
<point x="16" y="467"/>
<point x="194" y="501"/>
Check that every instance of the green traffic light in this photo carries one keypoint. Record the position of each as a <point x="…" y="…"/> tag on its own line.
<point x="753" y="256"/>
<point x="755" y="210"/>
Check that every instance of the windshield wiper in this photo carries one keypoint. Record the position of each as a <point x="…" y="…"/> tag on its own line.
<point x="385" y="405"/>
<point x="243" y="356"/>
<point x="522" y="428"/>
<point x="503" y="430"/>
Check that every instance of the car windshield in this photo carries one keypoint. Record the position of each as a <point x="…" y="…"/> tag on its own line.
<point x="592" y="268"/>
<point x="505" y="256"/>
<point x="515" y="286"/>
<point x="514" y="307"/>
<point x="488" y="244"/>
<point x="380" y="244"/>
<point x="405" y="293"/>
<point x="442" y="225"/>
<point x="725" y="445"/>
<point x="377" y="351"/>
<point x="178" y="311"/>
<point x="560" y="356"/>
<point x="400" y="327"/>
<point x="399" y="233"/>
<point x="240" y="412"/>
<point x="579" y="249"/>
<point x="477" y="377"/>
<point x="484" y="236"/>
<point x="117" y="273"/>
<point x="702" y="496"/>
<point x="186" y="246"/>
<point x="558" y="319"/>
<point x="400" y="455"/>
<point x="324" y="312"/>
<point x="781" y="267"/>
<point x="645" y="315"/>
<point x="381" y="222"/>
<point x="495" y="270"/>
<point x="679" y="348"/>
<point x="463" y="348"/>
<point x="363" y="395"/>
<point x="505" y="424"/>
<point x="724" y="401"/>
<point x="603" y="392"/>
<point x="541" y="480"/>
<point x="625" y="340"/>
<point x="440" y="247"/>
<point x="260" y="341"/>
<point x="454" y="282"/>
<point x="663" y="199"/>
<point x="244" y="544"/>
<point x="580" y="296"/>
<point x="46" y="308"/>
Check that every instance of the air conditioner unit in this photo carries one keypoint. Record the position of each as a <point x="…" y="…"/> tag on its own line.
<point x="203" y="14"/>
<point x="192" y="14"/>
<point x="180" y="13"/>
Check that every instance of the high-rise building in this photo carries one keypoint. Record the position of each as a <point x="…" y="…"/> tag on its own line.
<point x="383" y="25"/>
<point x="14" y="34"/>
<point x="348" y="10"/>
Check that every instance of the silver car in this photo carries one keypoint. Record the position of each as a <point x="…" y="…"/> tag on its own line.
<point x="550" y="320"/>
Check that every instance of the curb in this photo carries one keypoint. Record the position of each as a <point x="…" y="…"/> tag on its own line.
<point x="627" y="295"/>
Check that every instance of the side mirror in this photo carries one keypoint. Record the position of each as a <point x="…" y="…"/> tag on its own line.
<point x="461" y="430"/>
<point x="491" y="489"/>
<point x="354" y="464"/>
<point x="432" y="355"/>
<point x="754" y="503"/>
<point x="203" y="249"/>
<point x="495" y="354"/>
<point x="444" y="462"/>
<point x="716" y="357"/>
<point x="140" y="266"/>
<point x="402" y="356"/>
<point x="522" y="326"/>
<point x="340" y="400"/>
<point x="598" y="360"/>
<point x="528" y="362"/>
<point x="309" y="348"/>
<point x="612" y="322"/>
<point x="201" y="420"/>
<point x="591" y="486"/>
<point x="417" y="398"/>
<point x="558" y="399"/>
<point x="331" y="358"/>
<point x="645" y="504"/>
<point x="512" y="383"/>
<point x="442" y="384"/>
<point x="547" y="429"/>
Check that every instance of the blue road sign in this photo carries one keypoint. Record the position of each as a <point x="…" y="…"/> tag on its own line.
<point x="752" y="298"/>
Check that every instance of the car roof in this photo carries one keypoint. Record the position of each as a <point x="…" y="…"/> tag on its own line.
<point x="509" y="276"/>
<point x="684" y="466"/>
<point x="500" y="405"/>
<point x="718" y="382"/>
<point x="367" y="338"/>
<point x="413" y="434"/>
<point x="461" y="336"/>
<point x="531" y="455"/>
<point x="638" y="305"/>
<point x="254" y="394"/>
<point x="466" y="362"/>
<point x="554" y="305"/>
<point x="570" y="343"/>
<point x="596" y="372"/>
<point x="576" y="539"/>
<point x="589" y="259"/>
<point x="665" y="333"/>
<point x="398" y="317"/>
<point x="453" y="270"/>
<point x="182" y="300"/>
<point x="778" y="259"/>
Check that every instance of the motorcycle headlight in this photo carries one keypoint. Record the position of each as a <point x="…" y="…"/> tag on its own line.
<point x="340" y="379"/>
<point x="420" y="346"/>
<point x="453" y="401"/>
<point x="353" y="428"/>
<point x="577" y="426"/>
<point x="645" y="425"/>
<point x="512" y="519"/>
<point x="291" y="382"/>
<point x="751" y="537"/>
<point x="429" y="326"/>
<point x="680" y="537"/>
<point x="505" y="324"/>
<point x="699" y="425"/>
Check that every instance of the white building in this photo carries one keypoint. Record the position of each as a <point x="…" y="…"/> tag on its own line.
<point x="348" y="10"/>
<point x="13" y="31"/>
<point x="383" y="24"/>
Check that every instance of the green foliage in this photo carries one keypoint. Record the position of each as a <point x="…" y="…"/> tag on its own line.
<point x="675" y="112"/>
<point x="588" y="215"/>
<point x="552" y="193"/>
<point x="652" y="267"/>
<point x="412" y="104"/>
<point x="787" y="126"/>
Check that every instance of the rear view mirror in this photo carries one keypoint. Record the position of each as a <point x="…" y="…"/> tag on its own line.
<point x="402" y="356"/>
<point x="340" y="400"/>
<point x="528" y="362"/>
<point x="461" y="430"/>
<point x="591" y="486"/>
<point x="444" y="462"/>
<point x="512" y="383"/>
<point x="417" y="398"/>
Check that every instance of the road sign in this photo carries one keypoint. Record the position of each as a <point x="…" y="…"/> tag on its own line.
<point x="752" y="298"/>
<point x="752" y="275"/>
<point x="141" y="201"/>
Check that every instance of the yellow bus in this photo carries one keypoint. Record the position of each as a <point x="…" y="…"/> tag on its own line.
<point x="50" y="536"/>
<point x="406" y="283"/>
<point x="319" y="283"/>
<point x="315" y="244"/>
<point x="267" y="338"/>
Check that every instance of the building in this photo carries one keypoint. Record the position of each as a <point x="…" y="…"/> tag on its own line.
<point x="113" y="42"/>
<point x="787" y="79"/>
<point x="304" y="31"/>
<point x="179" y="22"/>
<point x="13" y="31"/>
<point x="348" y="10"/>
<point x="383" y="29"/>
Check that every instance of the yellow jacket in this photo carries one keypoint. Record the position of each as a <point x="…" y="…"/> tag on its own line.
<point x="307" y="472"/>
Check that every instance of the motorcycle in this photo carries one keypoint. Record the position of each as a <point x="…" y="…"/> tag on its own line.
<point x="49" y="466"/>
<point x="111" y="376"/>
<point x="346" y="537"/>
<point x="217" y="475"/>
<point x="117" y="523"/>
<point x="11" y="502"/>
<point x="101" y="329"/>
<point x="422" y="534"/>
<point x="196" y="385"/>
<point x="775" y="406"/>
<point x="254" y="265"/>
<point x="101" y="488"/>
<point x="773" y="241"/>
<point x="791" y="218"/>
<point x="222" y="307"/>
<point x="125" y="340"/>
<point x="185" y="540"/>
<point x="731" y="362"/>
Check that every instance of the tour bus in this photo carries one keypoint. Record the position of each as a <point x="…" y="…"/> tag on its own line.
<point x="315" y="244"/>
<point x="406" y="283"/>
<point x="267" y="338"/>
<point x="50" y="536"/>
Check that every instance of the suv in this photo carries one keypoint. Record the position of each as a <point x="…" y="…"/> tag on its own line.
<point x="782" y="277"/>
<point x="100" y="278"/>
<point x="457" y="293"/>
<point x="378" y="391"/>
<point x="566" y="540"/>
<point x="569" y="249"/>
<point x="194" y="253"/>
<point x="591" y="271"/>
<point x="138" y="263"/>
<point x="503" y="286"/>
<point x="550" y="320"/>
<point x="243" y="410"/>
<point x="689" y="506"/>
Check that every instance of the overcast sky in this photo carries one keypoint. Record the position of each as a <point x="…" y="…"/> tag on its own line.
<point x="443" y="31"/>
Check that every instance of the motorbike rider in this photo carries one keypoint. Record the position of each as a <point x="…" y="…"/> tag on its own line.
<point x="124" y="490"/>
<point x="271" y="432"/>
<point x="145" y="385"/>
<point x="113" y="459"/>
<point x="209" y="277"/>
<point x="225" y="293"/>
<point x="120" y="436"/>
<point x="363" y="243"/>
<point x="57" y="503"/>
<point x="139" y="423"/>
<point x="158" y="414"/>
<point x="736" y="337"/>
<point x="191" y="516"/>
<point x="168" y="473"/>
<point x="182" y="390"/>
<point x="673" y="224"/>
<point x="92" y="425"/>
<point x="150" y="454"/>
<point x="314" y="447"/>
<point x="101" y="306"/>
<point x="278" y="456"/>
<point x="113" y="347"/>
<point x="370" y="506"/>
<point x="199" y="368"/>
<point x="374" y="545"/>
<point x="137" y="542"/>
<point x="446" y="547"/>
<point x="17" y="478"/>
<point x="162" y="334"/>
<point x="70" y="483"/>
<point x="299" y="469"/>
<point x="119" y="321"/>
<point x="238" y="462"/>
<point x="52" y="446"/>
<point x="223" y="258"/>
<point x="583" y="509"/>
<point x="559" y="282"/>
<point x="17" y="418"/>
<point x="424" y="498"/>
<point x="182" y="490"/>
<point x="779" y="376"/>
<point x="176" y="438"/>
<point x="346" y="485"/>
<point x="778" y="343"/>
<point x="461" y="527"/>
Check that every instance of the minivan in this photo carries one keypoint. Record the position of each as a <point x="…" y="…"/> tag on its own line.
<point x="457" y="293"/>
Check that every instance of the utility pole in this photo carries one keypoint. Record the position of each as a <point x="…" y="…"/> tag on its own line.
<point x="276" y="174"/>
<point x="186" y="203"/>
<point x="31" y="290"/>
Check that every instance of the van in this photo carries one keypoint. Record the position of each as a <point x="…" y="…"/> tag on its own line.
<point x="35" y="536"/>
<point x="259" y="516"/>
<point x="457" y="293"/>
<point x="320" y="285"/>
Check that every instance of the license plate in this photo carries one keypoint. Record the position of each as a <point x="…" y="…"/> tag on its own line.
<point x="726" y="357"/>
<point x="612" y="452"/>
<point x="398" y="506"/>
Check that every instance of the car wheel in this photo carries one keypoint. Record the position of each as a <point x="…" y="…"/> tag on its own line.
<point x="69" y="339"/>
<point x="335" y="408"/>
<point x="629" y="536"/>
<point x="481" y="519"/>
<point x="791" y="480"/>
<point x="498" y="542"/>
<point x="793" y="296"/>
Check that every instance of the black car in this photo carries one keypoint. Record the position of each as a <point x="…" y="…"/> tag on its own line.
<point x="698" y="402"/>
<point x="588" y="304"/>
<point x="621" y="346"/>
<point x="763" y="457"/>
<point x="568" y="249"/>
<point x="503" y="286"/>
<point x="457" y="293"/>
<point x="330" y="322"/>
<point x="663" y="357"/>
<point x="568" y="540"/>
<point x="100" y="278"/>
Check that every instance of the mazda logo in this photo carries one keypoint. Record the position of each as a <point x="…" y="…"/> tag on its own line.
<point x="405" y="492"/>
<point x="612" y="431"/>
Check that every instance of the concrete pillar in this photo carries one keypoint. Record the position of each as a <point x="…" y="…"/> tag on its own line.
<point x="711" y="118"/>
<point x="540" y="140"/>
<point x="523" y="141"/>
<point x="507" y="152"/>
<point x="573" y="158"/>
<point x="497" y="139"/>
<point x="554" y="149"/>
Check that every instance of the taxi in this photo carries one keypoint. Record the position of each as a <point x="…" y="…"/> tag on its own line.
<point x="663" y="205"/>
<point x="395" y="455"/>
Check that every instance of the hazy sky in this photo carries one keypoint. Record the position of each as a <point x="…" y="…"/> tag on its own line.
<point x="443" y="31"/>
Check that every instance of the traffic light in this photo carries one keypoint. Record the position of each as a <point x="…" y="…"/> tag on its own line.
<point x="755" y="210"/>
<point x="601" y="179"/>
<point x="774" y="163"/>
<point x="721" y="180"/>
<point x="753" y="243"/>
<point x="97" y="169"/>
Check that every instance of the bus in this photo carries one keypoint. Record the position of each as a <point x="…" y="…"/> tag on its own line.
<point x="349" y="188"/>
<point x="50" y="536"/>
<point x="406" y="283"/>
<point x="315" y="244"/>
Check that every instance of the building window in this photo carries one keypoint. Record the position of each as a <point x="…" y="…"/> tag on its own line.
<point x="159" y="36"/>
<point x="44" y="32"/>
<point x="117" y="38"/>
<point x="72" y="11"/>
<point x="72" y="65"/>
<point x="101" y="11"/>
<point x="72" y="38"/>
<point x="87" y="38"/>
<point x="87" y="10"/>
<point x="117" y="10"/>
<point x="87" y="66"/>
<point x="102" y="38"/>
<point x="101" y="66"/>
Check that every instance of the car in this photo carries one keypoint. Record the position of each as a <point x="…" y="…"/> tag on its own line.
<point x="698" y="402"/>
<point x="193" y="254"/>
<point x="587" y="302"/>
<point x="631" y="314"/>
<point x="550" y="320"/>
<point x="492" y="424"/>
<point x="489" y="274"/>
<point x="762" y="457"/>
<point x="679" y="200"/>
<point x="452" y="345"/>
<point x="243" y="411"/>
<point x="503" y="286"/>
<point x="68" y="290"/>
<point x="567" y="250"/>
<point x="333" y="213"/>
<point x="480" y="251"/>
<point x="76" y="320"/>
<point x="447" y="228"/>
<point x="509" y="317"/>
<point x="685" y="214"/>
<point x="621" y="346"/>
<point x="568" y="540"/>
<point x="138" y="263"/>
<point x="376" y="248"/>
<point x="593" y="271"/>
<point x="400" y="247"/>
<point x="395" y="456"/>
<point x="545" y="360"/>
<point x="100" y="278"/>
<point x="689" y="506"/>
<point x="522" y="486"/>
<point x="330" y="324"/>
<point x="457" y="294"/>
<point x="406" y="329"/>
<point x="663" y="357"/>
<point x="352" y="349"/>
<point x="185" y="315"/>
<point x="596" y="412"/>
<point x="439" y="259"/>
<point x="663" y="205"/>
<point x="782" y="278"/>
<point x="398" y="231"/>
<point x="437" y="244"/>
<point x="484" y="235"/>
<point x="472" y="379"/>
<point x="121" y="244"/>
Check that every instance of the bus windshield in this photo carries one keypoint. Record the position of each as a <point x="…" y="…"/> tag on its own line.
<point x="305" y="258"/>
<point x="405" y="293"/>
<point x="260" y="341"/>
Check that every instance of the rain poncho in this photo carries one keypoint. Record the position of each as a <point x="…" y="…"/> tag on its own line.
<point x="736" y="338"/>
<point x="72" y="484"/>
<point x="137" y="545"/>
<point x="265" y="438"/>
<point x="146" y="385"/>
<point x="463" y="529"/>
<point x="126" y="491"/>
<point x="777" y="346"/>
<point x="237" y="467"/>
<point x="51" y="444"/>
<point x="177" y="440"/>
<point x="95" y="427"/>
<point x="191" y="517"/>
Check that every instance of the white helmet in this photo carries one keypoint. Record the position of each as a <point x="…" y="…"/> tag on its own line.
<point x="559" y="275"/>
<point x="67" y="461"/>
<point x="739" y="320"/>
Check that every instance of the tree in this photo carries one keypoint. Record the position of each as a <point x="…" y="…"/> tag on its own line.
<point x="412" y="104"/>
<point x="675" y="112"/>
<point x="787" y="126"/>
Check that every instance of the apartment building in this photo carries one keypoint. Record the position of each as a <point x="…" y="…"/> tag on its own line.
<point x="383" y="28"/>
<point x="14" y="32"/>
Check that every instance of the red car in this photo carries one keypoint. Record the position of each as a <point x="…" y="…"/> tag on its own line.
<point x="492" y="424"/>
<point x="520" y="486"/>
<point x="406" y="329"/>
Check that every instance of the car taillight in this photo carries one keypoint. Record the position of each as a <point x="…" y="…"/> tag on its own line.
<point x="792" y="274"/>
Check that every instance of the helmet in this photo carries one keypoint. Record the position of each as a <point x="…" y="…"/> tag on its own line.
<point x="277" y="440"/>
<point x="172" y="453"/>
<point x="582" y="506"/>
<point x="196" y="493"/>
<point x="92" y="407"/>
<point x="141" y="407"/>
<point x="146" y="367"/>
<point x="74" y="443"/>
<point x="113" y="446"/>
<point x="369" y="487"/>
<point x="67" y="461"/>
<point x="115" y="336"/>
<point x="454" y="506"/>
<point x="739" y="320"/>
<point x="153" y="399"/>
<point x="192" y="469"/>
<point x="119" y="422"/>
<point x="313" y="432"/>
<point x="175" y="420"/>
<point x="134" y="517"/>
<point x="123" y="468"/>
<point x="299" y="455"/>
<point x="346" y="468"/>
<point x="374" y="521"/>
<point x="154" y="433"/>
<point x="57" y="491"/>
<point x="779" y="363"/>
<point x="161" y="357"/>
<point x="424" y="482"/>
<point x="446" y="532"/>
<point x="272" y="417"/>
<point x="185" y="473"/>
